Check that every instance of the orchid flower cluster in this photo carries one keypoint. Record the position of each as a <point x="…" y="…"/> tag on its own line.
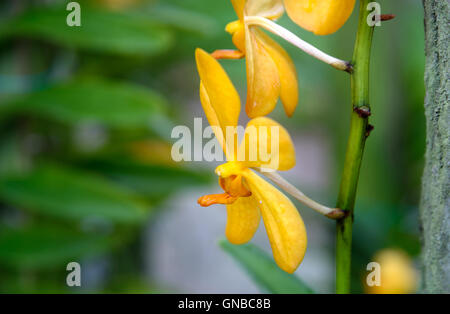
<point x="271" y="75"/>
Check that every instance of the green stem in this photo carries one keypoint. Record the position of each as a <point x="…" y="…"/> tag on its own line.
<point x="359" y="128"/>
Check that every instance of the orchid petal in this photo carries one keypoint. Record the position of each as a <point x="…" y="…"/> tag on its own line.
<point x="218" y="96"/>
<point x="239" y="6"/>
<point x="322" y="17"/>
<point x="263" y="148"/>
<point x="263" y="82"/>
<point x="271" y="9"/>
<point x="286" y="71"/>
<point x="243" y="218"/>
<point x="284" y="225"/>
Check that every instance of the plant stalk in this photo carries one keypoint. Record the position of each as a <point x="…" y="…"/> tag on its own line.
<point x="359" y="130"/>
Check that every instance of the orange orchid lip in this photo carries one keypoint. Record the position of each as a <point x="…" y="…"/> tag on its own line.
<point x="212" y="199"/>
<point x="234" y="188"/>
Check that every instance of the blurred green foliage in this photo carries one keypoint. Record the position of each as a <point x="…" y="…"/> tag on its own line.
<point x="74" y="100"/>
<point x="75" y="181"/>
<point x="102" y="31"/>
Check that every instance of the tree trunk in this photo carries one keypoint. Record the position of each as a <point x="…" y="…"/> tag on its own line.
<point x="435" y="203"/>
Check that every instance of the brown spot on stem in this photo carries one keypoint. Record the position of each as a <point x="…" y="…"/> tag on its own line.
<point x="369" y="129"/>
<point x="362" y="111"/>
<point x="337" y="213"/>
<point x="349" y="68"/>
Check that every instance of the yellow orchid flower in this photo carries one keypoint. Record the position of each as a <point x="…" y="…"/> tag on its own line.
<point x="398" y="275"/>
<point x="270" y="71"/>
<point x="246" y="195"/>
<point x="322" y="17"/>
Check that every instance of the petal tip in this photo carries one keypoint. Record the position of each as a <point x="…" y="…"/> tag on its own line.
<point x="200" y="53"/>
<point x="236" y="240"/>
<point x="289" y="112"/>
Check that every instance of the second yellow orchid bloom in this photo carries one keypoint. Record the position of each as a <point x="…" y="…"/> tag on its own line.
<point x="246" y="195"/>
<point x="322" y="17"/>
<point x="271" y="73"/>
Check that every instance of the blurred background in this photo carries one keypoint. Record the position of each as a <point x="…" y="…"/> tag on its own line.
<point x="86" y="175"/>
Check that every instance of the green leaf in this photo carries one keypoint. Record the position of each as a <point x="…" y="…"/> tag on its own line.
<point x="71" y="194"/>
<point x="47" y="246"/>
<point x="116" y="105"/>
<point x="155" y="181"/>
<point x="100" y="31"/>
<point x="182" y="19"/>
<point x="263" y="270"/>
